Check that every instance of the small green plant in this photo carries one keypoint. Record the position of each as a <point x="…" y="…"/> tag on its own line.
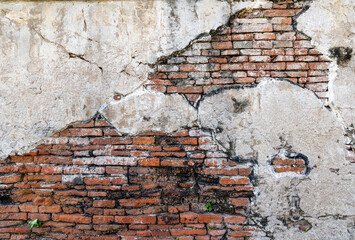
<point x="35" y="223"/>
<point x="209" y="228"/>
<point x="208" y="206"/>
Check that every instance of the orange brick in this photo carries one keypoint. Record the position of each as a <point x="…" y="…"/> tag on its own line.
<point x="222" y="45"/>
<point x="209" y="218"/>
<point x="74" y="218"/>
<point x="50" y="209"/>
<point x="104" y="203"/>
<point x="234" y="181"/>
<point x="149" y="162"/>
<point x="102" y="219"/>
<point x="136" y="219"/>
<point x="28" y="208"/>
<point x="45" y="201"/>
<point x="144" y="140"/>
<point x="189" y="217"/>
<point x="234" y="219"/>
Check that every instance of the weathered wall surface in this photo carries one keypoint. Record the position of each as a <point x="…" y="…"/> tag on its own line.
<point x="254" y="108"/>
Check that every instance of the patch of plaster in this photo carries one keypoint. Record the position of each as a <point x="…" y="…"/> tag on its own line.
<point x="60" y="62"/>
<point x="331" y="24"/>
<point x="145" y="111"/>
<point x="282" y="114"/>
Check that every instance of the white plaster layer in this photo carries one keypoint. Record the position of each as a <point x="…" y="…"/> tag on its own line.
<point x="254" y="123"/>
<point x="60" y="61"/>
<point x="331" y="24"/>
<point x="145" y="111"/>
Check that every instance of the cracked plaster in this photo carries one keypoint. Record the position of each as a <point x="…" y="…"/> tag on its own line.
<point x="61" y="62"/>
<point x="278" y="115"/>
<point x="50" y="57"/>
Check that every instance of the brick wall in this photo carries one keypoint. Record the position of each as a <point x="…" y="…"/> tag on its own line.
<point x="255" y="44"/>
<point x="89" y="181"/>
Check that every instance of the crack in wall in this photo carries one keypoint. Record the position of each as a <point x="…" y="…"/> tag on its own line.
<point x="70" y="54"/>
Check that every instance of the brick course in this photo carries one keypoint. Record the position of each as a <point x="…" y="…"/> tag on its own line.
<point x="125" y="187"/>
<point x="255" y="44"/>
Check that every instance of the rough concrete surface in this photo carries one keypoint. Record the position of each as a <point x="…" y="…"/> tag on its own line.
<point x="62" y="62"/>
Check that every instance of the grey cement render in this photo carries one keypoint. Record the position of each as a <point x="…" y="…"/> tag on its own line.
<point x="62" y="62"/>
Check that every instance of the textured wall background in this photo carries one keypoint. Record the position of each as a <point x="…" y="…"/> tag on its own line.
<point x="244" y="72"/>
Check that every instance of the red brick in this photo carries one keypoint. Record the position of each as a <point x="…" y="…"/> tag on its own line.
<point x="244" y="171"/>
<point x="282" y="27"/>
<point x="245" y="80"/>
<point x="10" y="179"/>
<point x="22" y="159"/>
<point x="102" y="219"/>
<point x="283" y="162"/>
<point x="116" y="170"/>
<point x="136" y="219"/>
<point x="52" y="160"/>
<point x="9" y="208"/>
<point x="15" y="230"/>
<point x="218" y="60"/>
<point x="235" y="219"/>
<point x="40" y="216"/>
<point x="149" y="162"/>
<point x="222" y="45"/>
<point x="168" y="219"/>
<point x="279" y="13"/>
<point x="13" y="216"/>
<point x="318" y="65"/>
<point x="51" y="169"/>
<point x="28" y="208"/>
<point x="188" y="232"/>
<point x="42" y="178"/>
<point x="300" y="162"/>
<point x="111" y="141"/>
<point x="274" y="52"/>
<point x="234" y="181"/>
<point x="189" y="89"/>
<point x="138" y="202"/>
<point x="97" y="181"/>
<point x="81" y="132"/>
<point x="189" y="217"/>
<point x="74" y="218"/>
<point x="104" y="203"/>
<point x="45" y="201"/>
<point x="209" y="218"/>
<point x="157" y="76"/>
<point x="50" y="209"/>
<point x="239" y="202"/>
<point x="177" y="75"/>
<point x="168" y="154"/>
<point x="264" y="36"/>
